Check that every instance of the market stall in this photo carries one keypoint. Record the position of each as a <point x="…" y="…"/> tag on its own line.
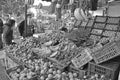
<point x="72" y="48"/>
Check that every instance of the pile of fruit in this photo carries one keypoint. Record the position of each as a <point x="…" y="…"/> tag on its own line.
<point x="43" y="70"/>
<point x="99" y="25"/>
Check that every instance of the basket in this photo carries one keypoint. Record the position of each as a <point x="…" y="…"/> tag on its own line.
<point x="100" y="19"/>
<point x="110" y="69"/>
<point x="81" y="59"/>
<point x="109" y="51"/>
<point x="113" y="20"/>
<point x="3" y="75"/>
<point x="14" y="59"/>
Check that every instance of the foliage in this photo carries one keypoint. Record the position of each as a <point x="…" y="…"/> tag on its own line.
<point x="12" y="6"/>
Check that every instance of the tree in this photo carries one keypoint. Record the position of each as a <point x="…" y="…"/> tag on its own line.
<point x="12" y="6"/>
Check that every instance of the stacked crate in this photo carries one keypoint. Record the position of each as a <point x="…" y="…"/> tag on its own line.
<point x="106" y="27"/>
<point x="109" y="69"/>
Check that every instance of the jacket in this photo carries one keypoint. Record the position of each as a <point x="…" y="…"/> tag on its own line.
<point x="1" y="26"/>
<point x="7" y="34"/>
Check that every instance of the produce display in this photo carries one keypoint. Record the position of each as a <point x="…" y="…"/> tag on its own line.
<point x="95" y="37"/>
<point x="96" y="31"/>
<point x="111" y="27"/>
<point x="90" y="23"/>
<point x="113" y="20"/>
<point x="99" y="25"/>
<point x="100" y="19"/>
<point x="68" y="45"/>
<point x="44" y="71"/>
<point x="109" y="33"/>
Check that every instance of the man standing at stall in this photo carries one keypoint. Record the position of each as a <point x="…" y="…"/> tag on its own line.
<point x="30" y="25"/>
<point x="1" y="31"/>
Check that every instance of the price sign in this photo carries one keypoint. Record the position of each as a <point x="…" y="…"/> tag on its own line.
<point x="82" y="58"/>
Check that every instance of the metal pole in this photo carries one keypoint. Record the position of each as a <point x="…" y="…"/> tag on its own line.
<point x="25" y="20"/>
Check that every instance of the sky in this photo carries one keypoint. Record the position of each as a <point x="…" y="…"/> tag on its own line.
<point x="43" y="2"/>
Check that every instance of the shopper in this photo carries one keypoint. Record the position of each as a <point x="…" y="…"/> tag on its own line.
<point x="94" y="5"/>
<point x="1" y="31"/>
<point x="8" y="32"/>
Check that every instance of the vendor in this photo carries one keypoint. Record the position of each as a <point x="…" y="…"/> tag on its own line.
<point x="30" y="22"/>
<point x="1" y="31"/>
<point x="8" y="32"/>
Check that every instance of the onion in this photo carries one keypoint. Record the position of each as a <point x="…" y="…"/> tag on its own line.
<point x="47" y="79"/>
<point x="54" y="72"/>
<point x="71" y="79"/>
<point x="29" y="61"/>
<point x="58" y="71"/>
<point x="58" y="76"/>
<point x="42" y="78"/>
<point x="50" y="76"/>
<point x="50" y="70"/>
<point x="18" y="70"/>
<point x="29" y="76"/>
<point x="37" y="68"/>
<point x="51" y="66"/>
<point x="75" y="74"/>
<point x="42" y="71"/>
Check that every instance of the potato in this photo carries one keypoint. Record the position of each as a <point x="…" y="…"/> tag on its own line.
<point x="50" y="70"/>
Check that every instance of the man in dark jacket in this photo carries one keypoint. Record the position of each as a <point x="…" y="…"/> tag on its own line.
<point x="8" y="32"/>
<point x="1" y="31"/>
<point x="30" y="25"/>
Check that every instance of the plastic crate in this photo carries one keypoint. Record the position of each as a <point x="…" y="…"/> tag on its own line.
<point x="82" y="58"/>
<point x="109" y="51"/>
<point x="3" y="75"/>
<point x="100" y="19"/>
<point x="81" y="73"/>
<point x="14" y="59"/>
<point x="113" y="20"/>
<point x="109" y="69"/>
